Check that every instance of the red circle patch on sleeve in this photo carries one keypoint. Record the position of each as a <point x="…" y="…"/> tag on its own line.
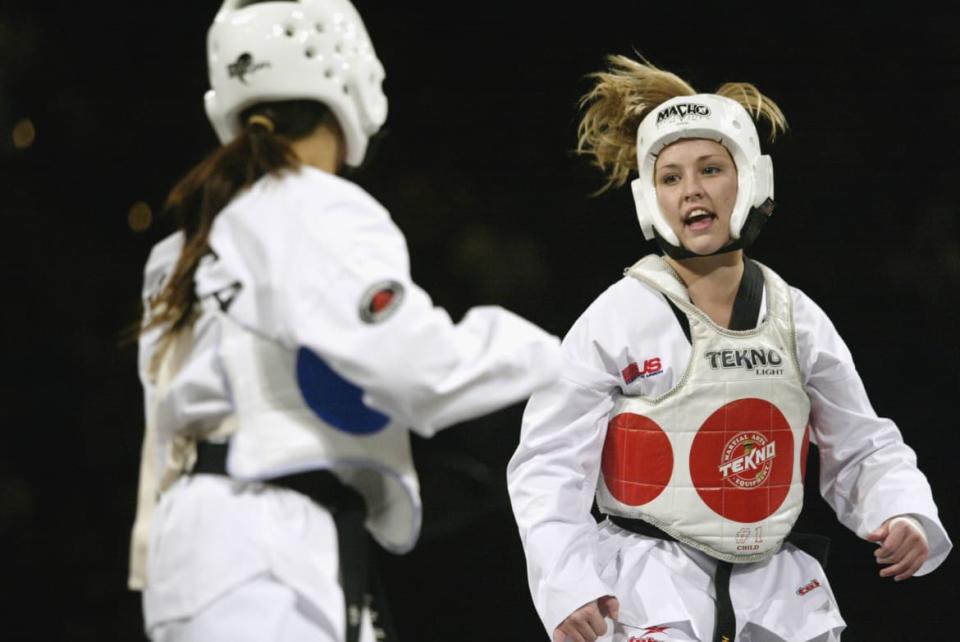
<point x="380" y="301"/>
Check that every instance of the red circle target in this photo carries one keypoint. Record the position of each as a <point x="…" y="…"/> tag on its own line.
<point x="741" y="460"/>
<point x="637" y="459"/>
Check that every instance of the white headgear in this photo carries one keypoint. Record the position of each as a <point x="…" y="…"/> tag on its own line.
<point x="702" y="116"/>
<point x="306" y="49"/>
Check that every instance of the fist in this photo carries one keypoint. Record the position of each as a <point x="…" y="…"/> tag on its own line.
<point x="586" y="624"/>
<point x="903" y="548"/>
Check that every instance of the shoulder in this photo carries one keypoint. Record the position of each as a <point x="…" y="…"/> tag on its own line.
<point x="624" y="292"/>
<point x="160" y="263"/>
<point x="308" y="193"/>
<point x="625" y="303"/>
<point x="821" y="349"/>
<point x="165" y="251"/>
<point x="305" y="211"/>
<point x="808" y="316"/>
<point x="307" y="202"/>
<point x="323" y="188"/>
<point x="626" y="313"/>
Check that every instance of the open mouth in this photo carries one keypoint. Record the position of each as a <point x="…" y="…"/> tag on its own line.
<point x="699" y="219"/>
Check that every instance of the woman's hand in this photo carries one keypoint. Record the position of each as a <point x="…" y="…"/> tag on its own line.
<point x="903" y="545"/>
<point x="586" y="624"/>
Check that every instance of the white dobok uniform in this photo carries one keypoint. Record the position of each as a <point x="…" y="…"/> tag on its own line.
<point x="628" y="345"/>
<point x="313" y="349"/>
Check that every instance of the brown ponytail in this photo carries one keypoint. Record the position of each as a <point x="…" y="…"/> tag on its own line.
<point x="263" y="147"/>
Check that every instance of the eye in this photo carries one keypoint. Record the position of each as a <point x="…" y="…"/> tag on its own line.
<point x="669" y="179"/>
<point x="711" y="170"/>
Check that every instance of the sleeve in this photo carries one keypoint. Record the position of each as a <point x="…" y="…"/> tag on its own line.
<point x="867" y="473"/>
<point x="552" y="479"/>
<point x="163" y="258"/>
<point x="338" y="284"/>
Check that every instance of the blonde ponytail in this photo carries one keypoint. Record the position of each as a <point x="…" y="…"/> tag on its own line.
<point x="629" y="90"/>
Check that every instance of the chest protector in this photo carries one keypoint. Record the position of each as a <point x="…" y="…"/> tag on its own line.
<point x="717" y="461"/>
<point x="279" y="432"/>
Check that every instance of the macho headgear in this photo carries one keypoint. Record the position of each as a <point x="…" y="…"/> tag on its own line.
<point x="726" y="122"/>
<point x="305" y="49"/>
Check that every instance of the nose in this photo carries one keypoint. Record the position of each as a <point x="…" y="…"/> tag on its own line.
<point x="692" y="188"/>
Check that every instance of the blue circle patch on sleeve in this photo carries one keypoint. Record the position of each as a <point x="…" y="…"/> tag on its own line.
<point x="334" y="399"/>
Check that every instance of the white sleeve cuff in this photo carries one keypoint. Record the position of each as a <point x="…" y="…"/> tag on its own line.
<point x="912" y="521"/>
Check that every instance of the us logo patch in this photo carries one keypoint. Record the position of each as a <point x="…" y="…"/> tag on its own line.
<point x="380" y="301"/>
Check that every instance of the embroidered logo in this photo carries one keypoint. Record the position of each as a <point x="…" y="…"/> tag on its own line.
<point x="803" y="590"/>
<point x="380" y="301"/>
<point x="646" y="636"/>
<point x="632" y="372"/>
<point x="244" y="65"/>
<point x="747" y="459"/>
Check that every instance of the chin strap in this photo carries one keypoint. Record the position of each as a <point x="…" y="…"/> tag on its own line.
<point x="756" y="219"/>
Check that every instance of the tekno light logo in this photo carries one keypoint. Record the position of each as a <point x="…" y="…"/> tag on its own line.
<point x="682" y="112"/>
<point x="747" y="460"/>
<point x="760" y="361"/>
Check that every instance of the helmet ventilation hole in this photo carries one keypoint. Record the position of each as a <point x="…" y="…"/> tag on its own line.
<point x="289" y="30"/>
<point x="318" y="27"/>
<point x="346" y="89"/>
<point x="328" y="72"/>
<point x="338" y="48"/>
<point x="736" y="124"/>
<point x="310" y="52"/>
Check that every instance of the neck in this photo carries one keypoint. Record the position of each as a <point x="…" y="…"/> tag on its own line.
<point x="322" y="149"/>
<point x="712" y="282"/>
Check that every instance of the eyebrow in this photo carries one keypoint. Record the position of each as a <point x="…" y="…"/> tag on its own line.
<point x="697" y="160"/>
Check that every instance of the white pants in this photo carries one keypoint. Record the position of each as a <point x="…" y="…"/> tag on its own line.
<point x="666" y="593"/>
<point x="257" y="610"/>
<point x="237" y="561"/>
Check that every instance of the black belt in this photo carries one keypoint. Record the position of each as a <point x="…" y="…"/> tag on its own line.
<point x="361" y="583"/>
<point x="725" y="629"/>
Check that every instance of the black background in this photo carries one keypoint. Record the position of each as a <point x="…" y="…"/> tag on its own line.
<point x="477" y="170"/>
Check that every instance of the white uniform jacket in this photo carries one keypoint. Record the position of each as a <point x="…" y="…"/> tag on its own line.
<point x="868" y="474"/>
<point x="312" y="262"/>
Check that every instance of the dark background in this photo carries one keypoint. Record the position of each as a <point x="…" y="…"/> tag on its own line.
<point x="477" y="169"/>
